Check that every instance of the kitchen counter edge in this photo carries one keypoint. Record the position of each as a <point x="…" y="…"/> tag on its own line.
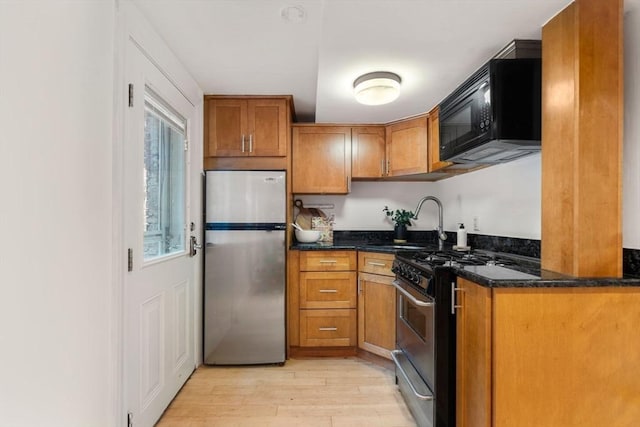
<point x="386" y="249"/>
<point x="547" y="279"/>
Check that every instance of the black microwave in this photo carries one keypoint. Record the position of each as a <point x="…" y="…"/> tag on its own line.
<point x="494" y="116"/>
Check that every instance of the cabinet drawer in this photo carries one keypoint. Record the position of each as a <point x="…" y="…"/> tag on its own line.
<point x="328" y="328"/>
<point x="328" y="289"/>
<point x="376" y="263"/>
<point x="328" y="261"/>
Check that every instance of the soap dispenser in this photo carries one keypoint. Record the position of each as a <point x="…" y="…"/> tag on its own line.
<point x="462" y="237"/>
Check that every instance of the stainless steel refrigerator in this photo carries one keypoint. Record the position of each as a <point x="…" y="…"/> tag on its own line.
<point x="244" y="263"/>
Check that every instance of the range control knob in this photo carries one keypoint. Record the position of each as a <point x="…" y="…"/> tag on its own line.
<point x="415" y="278"/>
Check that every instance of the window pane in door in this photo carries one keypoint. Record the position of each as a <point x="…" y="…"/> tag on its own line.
<point x="164" y="179"/>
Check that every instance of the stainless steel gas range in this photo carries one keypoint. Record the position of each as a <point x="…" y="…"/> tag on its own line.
<point x="425" y="354"/>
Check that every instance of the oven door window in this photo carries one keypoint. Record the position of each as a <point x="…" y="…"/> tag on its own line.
<point x="419" y="319"/>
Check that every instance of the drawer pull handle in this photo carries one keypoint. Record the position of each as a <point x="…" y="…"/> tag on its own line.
<point x="327" y="329"/>
<point x="328" y="261"/>
<point x="328" y="291"/>
<point x="377" y="264"/>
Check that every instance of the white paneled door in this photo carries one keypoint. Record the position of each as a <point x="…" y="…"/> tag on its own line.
<point x="159" y="286"/>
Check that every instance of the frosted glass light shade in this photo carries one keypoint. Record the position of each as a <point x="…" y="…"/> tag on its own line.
<point x="377" y="88"/>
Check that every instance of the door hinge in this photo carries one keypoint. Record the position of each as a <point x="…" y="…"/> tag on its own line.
<point x="129" y="259"/>
<point x="186" y="145"/>
<point x="129" y="419"/>
<point x="130" y="94"/>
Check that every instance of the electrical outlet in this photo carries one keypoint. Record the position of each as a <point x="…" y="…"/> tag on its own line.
<point x="475" y="224"/>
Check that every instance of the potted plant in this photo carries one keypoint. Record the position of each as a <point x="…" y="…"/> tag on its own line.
<point x="401" y="219"/>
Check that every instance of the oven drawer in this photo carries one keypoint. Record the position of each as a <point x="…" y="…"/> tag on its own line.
<point x="328" y="289"/>
<point x="376" y="263"/>
<point x="328" y="328"/>
<point x="416" y="393"/>
<point x="328" y="260"/>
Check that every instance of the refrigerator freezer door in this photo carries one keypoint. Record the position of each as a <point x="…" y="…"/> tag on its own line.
<point x="244" y="297"/>
<point x="245" y="196"/>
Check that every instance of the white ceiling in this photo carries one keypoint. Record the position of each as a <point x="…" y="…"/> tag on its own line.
<point x="245" y="47"/>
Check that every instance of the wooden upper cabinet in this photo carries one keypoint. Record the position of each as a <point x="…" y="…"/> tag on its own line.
<point x="435" y="163"/>
<point x="582" y="134"/>
<point x="407" y="150"/>
<point x="368" y="152"/>
<point x="321" y="159"/>
<point x="237" y="127"/>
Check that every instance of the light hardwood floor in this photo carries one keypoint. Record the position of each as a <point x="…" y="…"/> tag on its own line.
<point x="322" y="392"/>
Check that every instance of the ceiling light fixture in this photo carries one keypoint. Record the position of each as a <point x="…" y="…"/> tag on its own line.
<point x="294" y="14"/>
<point x="377" y="88"/>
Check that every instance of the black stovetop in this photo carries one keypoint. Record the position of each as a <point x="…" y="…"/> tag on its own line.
<point x="429" y="261"/>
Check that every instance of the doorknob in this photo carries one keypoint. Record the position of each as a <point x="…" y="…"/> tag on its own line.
<point x="194" y="246"/>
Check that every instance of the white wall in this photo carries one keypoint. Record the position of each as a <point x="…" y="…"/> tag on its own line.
<point x="505" y="198"/>
<point x="56" y="103"/>
<point x="631" y="153"/>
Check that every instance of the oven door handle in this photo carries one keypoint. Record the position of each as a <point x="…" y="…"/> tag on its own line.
<point x="411" y="298"/>
<point x="419" y="395"/>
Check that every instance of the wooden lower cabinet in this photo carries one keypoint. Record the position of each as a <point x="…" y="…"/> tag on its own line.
<point x="327" y="299"/>
<point x="319" y="328"/>
<point x="376" y="304"/>
<point x="327" y="289"/>
<point x="473" y="358"/>
<point x="553" y="357"/>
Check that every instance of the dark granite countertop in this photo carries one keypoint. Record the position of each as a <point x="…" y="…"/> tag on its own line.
<point x="493" y="276"/>
<point x="526" y="274"/>
<point x="389" y="248"/>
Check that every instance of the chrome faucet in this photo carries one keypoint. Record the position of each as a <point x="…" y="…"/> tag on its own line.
<point x="442" y="236"/>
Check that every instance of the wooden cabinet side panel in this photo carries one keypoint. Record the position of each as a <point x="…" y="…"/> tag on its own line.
<point x="473" y="358"/>
<point x="368" y="159"/>
<point x="559" y="137"/>
<point x="321" y="160"/>
<point x="559" y="57"/>
<point x="566" y="357"/>
<point x="376" y="314"/>
<point x="293" y="299"/>
<point x="434" y="142"/>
